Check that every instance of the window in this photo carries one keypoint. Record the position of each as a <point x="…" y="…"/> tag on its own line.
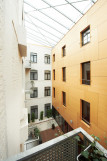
<point x="86" y="112"/>
<point x="33" y="57"/>
<point x="35" y="110"/>
<point x="34" y="94"/>
<point x="47" y="107"/>
<point x="86" y="73"/>
<point x="64" y="74"/>
<point x="63" y="51"/>
<point x="64" y="98"/>
<point x="47" y="59"/>
<point x="54" y="74"/>
<point x="33" y="75"/>
<point x="54" y="92"/>
<point x="86" y="36"/>
<point x="53" y="57"/>
<point x="47" y="75"/>
<point x="47" y="91"/>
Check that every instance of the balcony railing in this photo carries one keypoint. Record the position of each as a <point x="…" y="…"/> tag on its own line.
<point x="28" y="64"/>
<point x="62" y="148"/>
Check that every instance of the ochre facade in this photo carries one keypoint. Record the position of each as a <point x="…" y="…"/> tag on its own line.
<point x="95" y="52"/>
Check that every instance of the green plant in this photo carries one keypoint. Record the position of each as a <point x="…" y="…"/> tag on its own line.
<point x="41" y="115"/>
<point x="91" y="153"/>
<point x="53" y="126"/>
<point x="49" y="113"/>
<point x="33" y="116"/>
<point x="28" y="117"/>
<point x="36" y="132"/>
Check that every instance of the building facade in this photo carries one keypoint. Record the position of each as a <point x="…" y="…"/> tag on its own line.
<point x="79" y="68"/>
<point x="13" y="114"/>
<point x="38" y="80"/>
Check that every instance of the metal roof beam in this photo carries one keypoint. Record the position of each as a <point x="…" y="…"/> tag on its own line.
<point x="43" y="29"/>
<point x="58" y="11"/>
<point x="38" y="41"/>
<point x="61" y="4"/>
<point x="46" y="24"/>
<point x="39" y="33"/>
<point x="47" y="16"/>
<point x="38" y="38"/>
<point x="74" y="7"/>
<point x="92" y="1"/>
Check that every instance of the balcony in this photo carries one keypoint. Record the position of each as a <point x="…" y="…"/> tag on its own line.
<point x="27" y="64"/>
<point x="62" y="148"/>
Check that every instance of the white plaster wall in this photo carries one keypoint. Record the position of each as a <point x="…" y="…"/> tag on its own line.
<point x="12" y="106"/>
<point x="40" y="83"/>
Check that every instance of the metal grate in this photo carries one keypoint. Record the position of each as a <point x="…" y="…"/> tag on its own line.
<point x="64" y="151"/>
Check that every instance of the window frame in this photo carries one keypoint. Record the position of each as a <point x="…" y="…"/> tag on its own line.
<point x="53" y="57"/>
<point x="64" y="51"/>
<point x="47" y="91"/>
<point x="64" y="74"/>
<point x="34" y="107"/>
<point x="87" y="74"/>
<point x="53" y="74"/>
<point x="47" y="75"/>
<point x="35" y="93"/>
<point x="47" y="58"/>
<point x="64" y="98"/>
<point x="54" y="92"/>
<point x="34" y="72"/>
<point x="34" y="56"/>
<point x="85" y="104"/>
<point x="84" y="34"/>
<point x="45" y="106"/>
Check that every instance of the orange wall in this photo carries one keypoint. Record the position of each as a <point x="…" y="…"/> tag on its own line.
<point x="96" y="53"/>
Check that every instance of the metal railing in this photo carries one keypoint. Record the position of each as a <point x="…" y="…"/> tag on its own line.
<point x="62" y="148"/>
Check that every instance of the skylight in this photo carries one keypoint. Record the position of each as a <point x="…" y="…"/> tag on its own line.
<point x="48" y="21"/>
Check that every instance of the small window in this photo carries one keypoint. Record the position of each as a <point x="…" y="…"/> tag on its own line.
<point x="34" y="94"/>
<point x="64" y="74"/>
<point x="54" y="92"/>
<point x="86" y="112"/>
<point x="86" y="36"/>
<point x="53" y="57"/>
<point x="34" y="109"/>
<point x="47" y="59"/>
<point x="47" y="107"/>
<point x="54" y="74"/>
<point x="47" y="91"/>
<point x="47" y="75"/>
<point x="34" y="75"/>
<point x="33" y="57"/>
<point x="64" y="98"/>
<point x="86" y="73"/>
<point x="63" y="51"/>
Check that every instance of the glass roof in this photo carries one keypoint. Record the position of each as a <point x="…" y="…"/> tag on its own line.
<point x="47" y="21"/>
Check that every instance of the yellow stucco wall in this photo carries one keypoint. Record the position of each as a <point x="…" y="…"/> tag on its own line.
<point x="96" y="53"/>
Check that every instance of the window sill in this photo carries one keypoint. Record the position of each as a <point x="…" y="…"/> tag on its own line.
<point x="64" y="106"/>
<point x="85" y="124"/>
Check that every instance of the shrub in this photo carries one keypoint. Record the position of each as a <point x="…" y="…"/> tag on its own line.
<point x="36" y="132"/>
<point x="41" y="115"/>
<point x="33" y="117"/>
<point x="49" y="113"/>
<point x="28" y="117"/>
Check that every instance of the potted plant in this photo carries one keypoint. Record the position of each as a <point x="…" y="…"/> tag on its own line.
<point x="49" y="113"/>
<point x="41" y="115"/>
<point x="33" y="116"/>
<point x="91" y="153"/>
<point x="28" y="117"/>
<point x="53" y="126"/>
<point x="36" y="132"/>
